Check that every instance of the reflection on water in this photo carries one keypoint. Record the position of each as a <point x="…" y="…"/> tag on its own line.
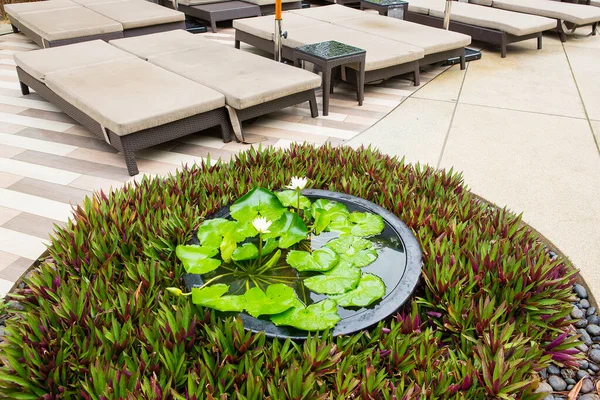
<point x="389" y="266"/>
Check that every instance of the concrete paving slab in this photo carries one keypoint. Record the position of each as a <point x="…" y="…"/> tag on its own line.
<point x="527" y="79"/>
<point x="596" y="130"/>
<point x="446" y="88"/>
<point x="584" y="64"/>
<point x="416" y="130"/>
<point x="544" y="166"/>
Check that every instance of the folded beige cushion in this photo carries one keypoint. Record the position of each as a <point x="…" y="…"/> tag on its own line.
<point x="578" y="14"/>
<point x="137" y="13"/>
<point x="244" y="78"/>
<point x="268" y="2"/>
<point x="199" y="2"/>
<point x="131" y="95"/>
<point x="330" y="13"/>
<point x="431" y="40"/>
<point x="482" y="2"/>
<point x="85" y="3"/>
<point x="487" y="17"/>
<point x="263" y="27"/>
<point x="425" y="6"/>
<point x="381" y="52"/>
<point x="68" y="23"/>
<point x="161" y="43"/>
<point x="38" y="63"/>
<point x="19" y="8"/>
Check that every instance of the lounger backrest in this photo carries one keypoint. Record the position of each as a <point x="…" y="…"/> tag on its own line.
<point x="330" y="13"/>
<point x="161" y="43"/>
<point x="264" y="27"/>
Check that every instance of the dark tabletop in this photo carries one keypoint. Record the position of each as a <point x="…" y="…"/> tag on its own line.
<point x="330" y="50"/>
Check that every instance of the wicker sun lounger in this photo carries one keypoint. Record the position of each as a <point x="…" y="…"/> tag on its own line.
<point x="438" y="45"/>
<point x="384" y="58"/>
<point x="54" y="23"/>
<point x="129" y="103"/>
<point x="484" y="24"/>
<point x="252" y="85"/>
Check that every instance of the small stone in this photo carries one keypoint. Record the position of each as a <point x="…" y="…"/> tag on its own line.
<point x="593" y="330"/>
<point x="553" y="369"/>
<point x="549" y="397"/>
<point x="544" y="374"/>
<point x="569" y="387"/>
<point x="580" y="291"/>
<point x="582" y="348"/>
<point x="595" y="346"/>
<point x="584" y="364"/>
<point x="596" y="339"/>
<point x="577" y="313"/>
<point x="589" y="396"/>
<point x="585" y="303"/>
<point x="590" y="311"/>
<point x="587" y="386"/>
<point x="544" y="388"/>
<point x="567" y="374"/>
<point x="593" y="319"/>
<point x="557" y="383"/>
<point x="581" y="323"/>
<point x="552" y="255"/>
<point x="582" y="374"/>
<point x="594" y="367"/>
<point x="595" y="357"/>
<point x="590" y="372"/>
<point x="585" y="337"/>
<point x="570" y="381"/>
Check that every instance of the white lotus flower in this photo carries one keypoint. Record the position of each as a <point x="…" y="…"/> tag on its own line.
<point x="261" y="224"/>
<point x="297" y="183"/>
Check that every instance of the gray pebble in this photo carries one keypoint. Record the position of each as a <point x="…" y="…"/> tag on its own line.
<point x="587" y="386"/>
<point x="590" y="311"/>
<point x="570" y="381"/>
<point x="569" y="387"/>
<point x="582" y="374"/>
<point x="590" y="372"/>
<point x="585" y="303"/>
<point x="580" y="291"/>
<point x="594" y="367"/>
<point x="557" y="383"/>
<point x="549" y="397"/>
<point x="544" y="387"/>
<point x="553" y="369"/>
<point x="577" y="313"/>
<point x="582" y="348"/>
<point x="581" y="323"/>
<point x="594" y="356"/>
<point x="595" y="346"/>
<point x="544" y="374"/>
<point x="593" y="330"/>
<point x="584" y="364"/>
<point x="567" y="374"/>
<point x="596" y="339"/>
<point x="593" y="319"/>
<point x="585" y="337"/>
<point x="589" y="396"/>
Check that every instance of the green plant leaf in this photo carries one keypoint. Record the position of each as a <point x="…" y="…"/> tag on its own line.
<point x="367" y="224"/>
<point x="289" y="198"/>
<point x="277" y="299"/>
<point x="273" y="260"/>
<point x="213" y="297"/>
<point x="257" y="201"/>
<point x="270" y="245"/>
<point x="326" y="212"/>
<point x="340" y="279"/>
<point x="320" y="260"/>
<point x="289" y="228"/>
<point x="244" y="230"/>
<point x="316" y="317"/>
<point x="358" y="251"/>
<point x="211" y="231"/>
<point x="369" y="289"/>
<point x="197" y="259"/>
<point x="248" y="251"/>
<point x="229" y="244"/>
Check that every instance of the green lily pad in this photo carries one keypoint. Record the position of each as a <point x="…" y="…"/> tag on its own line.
<point x="320" y="260"/>
<point x="255" y="202"/>
<point x="244" y="230"/>
<point x="326" y="212"/>
<point x="316" y="317"/>
<point x="289" y="228"/>
<point x="289" y="198"/>
<point x="269" y="245"/>
<point x="277" y="299"/>
<point x="211" y="231"/>
<point x="358" y="251"/>
<point x="228" y="245"/>
<point x="370" y="289"/>
<point x="212" y="297"/>
<point x="340" y="279"/>
<point x="367" y="224"/>
<point x="197" y="259"/>
<point x="248" y="251"/>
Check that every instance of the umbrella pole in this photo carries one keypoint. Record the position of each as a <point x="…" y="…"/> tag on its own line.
<point x="278" y="33"/>
<point x="447" y="14"/>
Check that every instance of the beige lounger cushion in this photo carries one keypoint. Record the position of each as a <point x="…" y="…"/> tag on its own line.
<point x="20" y="8"/>
<point x="137" y="13"/>
<point x="269" y="2"/>
<point x="595" y="3"/>
<point x="431" y="40"/>
<point x="487" y="17"/>
<point x="578" y="14"/>
<point x="245" y="79"/>
<point x="482" y="2"/>
<point x="263" y="27"/>
<point x="329" y="13"/>
<point x="199" y="2"/>
<point x="161" y="43"/>
<point x="131" y="95"/>
<point x="381" y="53"/>
<point x="423" y="6"/>
<point x="38" y="63"/>
<point x="85" y="3"/>
<point x="68" y="23"/>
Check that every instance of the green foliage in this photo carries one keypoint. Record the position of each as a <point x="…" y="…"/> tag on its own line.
<point x="370" y="288"/>
<point x="277" y="299"/>
<point x="339" y="279"/>
<point x="319" y="260"/>
<point x="316" y="317"/>
<point x="97" y="324"/>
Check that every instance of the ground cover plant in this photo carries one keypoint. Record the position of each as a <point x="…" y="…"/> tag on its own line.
<point x="98" y="323"/>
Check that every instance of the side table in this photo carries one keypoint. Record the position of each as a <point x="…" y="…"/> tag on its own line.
<point x="390" y="8"/>
<point x="331" y="54"/>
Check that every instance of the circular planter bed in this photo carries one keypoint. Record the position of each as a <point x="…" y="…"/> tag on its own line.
<point x="490" y="319"/>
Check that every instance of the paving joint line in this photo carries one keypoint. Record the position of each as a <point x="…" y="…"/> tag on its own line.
<point x="587" y="116"/>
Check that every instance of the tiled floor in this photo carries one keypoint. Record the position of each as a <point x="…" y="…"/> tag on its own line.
<point x="48" y="162"/>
